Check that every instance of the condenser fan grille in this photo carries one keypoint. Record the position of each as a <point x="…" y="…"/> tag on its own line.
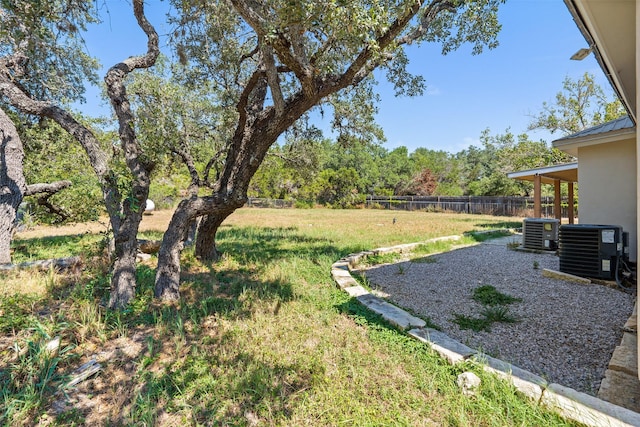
<point x="590" y="250"/>
<point x="540" y="233"/>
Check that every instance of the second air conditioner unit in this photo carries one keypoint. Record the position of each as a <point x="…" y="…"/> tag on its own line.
<point x="591" y="250"/>
<point x="540" y="233"/>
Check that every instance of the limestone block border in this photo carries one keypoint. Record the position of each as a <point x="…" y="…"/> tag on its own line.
<point x="566" y="401"/>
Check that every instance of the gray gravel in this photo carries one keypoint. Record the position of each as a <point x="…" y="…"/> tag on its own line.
<point x="567" y="331"/>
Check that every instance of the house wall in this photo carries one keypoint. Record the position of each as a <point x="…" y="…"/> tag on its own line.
<point x="607" y="190"/>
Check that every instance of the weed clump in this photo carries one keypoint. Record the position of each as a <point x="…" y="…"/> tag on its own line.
<point x="495" y="310"/>
<point x="489" y="295"/>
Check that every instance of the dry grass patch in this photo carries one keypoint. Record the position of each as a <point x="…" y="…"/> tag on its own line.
<point x="31" y="282"/>
<point x="263" y="337"/>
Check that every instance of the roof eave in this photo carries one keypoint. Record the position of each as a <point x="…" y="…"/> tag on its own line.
<point x="570" y="145"/>
<point x="602" y="61"/>
<point x="548" y="174"/>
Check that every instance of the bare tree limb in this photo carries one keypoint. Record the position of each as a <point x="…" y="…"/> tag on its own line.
<point x="272" y="78"/>
<point x="45" y="202"/>
<point x="49" y="188"/>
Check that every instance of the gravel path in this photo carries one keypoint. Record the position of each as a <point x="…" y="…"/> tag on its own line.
<point x="567" y="331"/>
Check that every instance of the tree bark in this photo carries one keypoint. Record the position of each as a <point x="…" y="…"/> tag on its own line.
<point x="167" y="285"/>
<point x="123" y="282"/>
<point x="12" y="183"/>
<point x="168" y="270"/>
<point x="206" y="248"/>
<point x="48" y="188"/>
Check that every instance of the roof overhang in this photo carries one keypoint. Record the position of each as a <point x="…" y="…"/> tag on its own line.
<point x="570" y="146"/>
<point x="609" y="29"/>
<point x="616" y="130"/>
<point x="567" y="172"/>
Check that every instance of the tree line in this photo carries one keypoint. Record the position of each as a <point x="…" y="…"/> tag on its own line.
<point x="341" y="176"/>
<point x="341" y="173"/>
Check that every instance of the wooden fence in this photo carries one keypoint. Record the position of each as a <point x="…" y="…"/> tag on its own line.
<point x="504" y="206"/>
<point x="254" y="202"/>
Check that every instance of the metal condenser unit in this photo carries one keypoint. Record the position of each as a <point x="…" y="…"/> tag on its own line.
<point x="590" y="250"/>
<point x="540" y="233"/>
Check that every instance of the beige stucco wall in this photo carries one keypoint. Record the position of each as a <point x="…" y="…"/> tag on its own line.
<point x="607" y="187"/>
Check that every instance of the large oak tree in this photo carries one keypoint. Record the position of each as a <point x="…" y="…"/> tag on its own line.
<point x="273" y="61"/>
<point x="268" y="64"/>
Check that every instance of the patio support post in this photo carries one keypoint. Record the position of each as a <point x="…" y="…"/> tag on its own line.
<point x="572" y="213"/>
<point x="537" y="204"/>
<point x="557" y="206"/>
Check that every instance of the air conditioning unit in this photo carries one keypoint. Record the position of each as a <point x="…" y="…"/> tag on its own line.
<point x="540" y="233"/>
<point x="590" y="250"/>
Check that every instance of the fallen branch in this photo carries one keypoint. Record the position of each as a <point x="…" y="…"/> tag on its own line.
<point x="57" y="263"/>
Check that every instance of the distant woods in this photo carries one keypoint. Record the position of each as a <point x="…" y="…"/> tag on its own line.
<point x="326" y="172"/>
<point x="341" y="176"/>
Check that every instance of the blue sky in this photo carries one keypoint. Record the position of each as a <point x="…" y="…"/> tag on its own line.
<point x="499" y="89"/>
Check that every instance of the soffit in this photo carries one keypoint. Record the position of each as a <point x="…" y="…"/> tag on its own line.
<point x="611" y="26"/>
<point x="567" y="172"/>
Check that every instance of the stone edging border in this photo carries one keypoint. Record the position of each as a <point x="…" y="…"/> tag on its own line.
<point x="568" y="402"/>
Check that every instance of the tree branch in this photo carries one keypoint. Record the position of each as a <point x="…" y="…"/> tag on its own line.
<point x="210" y="164"/>
<point x="44" y="201"/>
<point x="49" y="188"/>
<point x="26" y="104"/>
<point x="273" y="79"/>
<point x="432" y="11"/>
<point x="296" y="61"/>
<point x="190" y="164"/>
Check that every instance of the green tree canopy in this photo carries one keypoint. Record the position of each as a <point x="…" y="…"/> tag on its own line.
<point x="581" y="104"/>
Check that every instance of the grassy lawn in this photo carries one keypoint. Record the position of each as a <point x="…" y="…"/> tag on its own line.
<point x="262" y="337"/>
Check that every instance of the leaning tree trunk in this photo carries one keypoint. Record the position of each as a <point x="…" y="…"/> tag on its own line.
<point x="206" y="249"/>
<point x="12" y="183"/>
<point x="123" y="282"/>
<point x="168" y="272"/>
